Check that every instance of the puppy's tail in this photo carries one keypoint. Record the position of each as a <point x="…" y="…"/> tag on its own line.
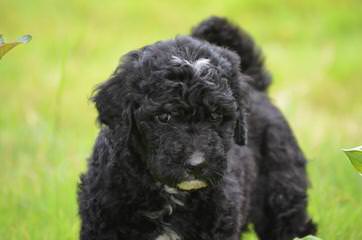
<point x="221" y="32"/>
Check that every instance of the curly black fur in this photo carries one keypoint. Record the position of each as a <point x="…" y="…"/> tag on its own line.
<point x="176" y="111"/>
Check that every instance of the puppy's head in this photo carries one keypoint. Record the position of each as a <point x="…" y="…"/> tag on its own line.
<point x="178" y="105"/>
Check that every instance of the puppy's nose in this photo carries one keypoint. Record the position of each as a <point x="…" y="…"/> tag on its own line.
<point x="195" y="161"/>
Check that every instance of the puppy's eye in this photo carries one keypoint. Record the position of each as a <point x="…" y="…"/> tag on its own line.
<point x="216" y="117"/>
<point x="164" y="117"/>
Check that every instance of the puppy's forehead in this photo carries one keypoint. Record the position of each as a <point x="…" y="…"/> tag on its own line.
<point x="198" y="65"/>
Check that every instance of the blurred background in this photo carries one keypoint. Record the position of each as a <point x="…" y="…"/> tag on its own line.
<point x="48" y="125"/>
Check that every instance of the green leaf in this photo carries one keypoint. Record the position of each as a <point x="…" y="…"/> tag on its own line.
<point x="24" y="39"/>
<point x="355" y="156"/>
<point x="309" y="237"/>
<point x="6" y="47"/>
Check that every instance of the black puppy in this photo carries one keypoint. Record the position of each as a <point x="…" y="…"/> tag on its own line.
<point x="191" y="148"/>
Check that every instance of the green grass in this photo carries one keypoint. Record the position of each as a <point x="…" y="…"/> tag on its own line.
<point x="47" y="125"/>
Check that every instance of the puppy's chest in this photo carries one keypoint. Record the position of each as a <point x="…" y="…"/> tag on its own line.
<point x="167" y="229"/>
<point x="168" y="215"/>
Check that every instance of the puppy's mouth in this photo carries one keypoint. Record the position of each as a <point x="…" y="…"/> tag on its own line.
<point x="191" y="185"/>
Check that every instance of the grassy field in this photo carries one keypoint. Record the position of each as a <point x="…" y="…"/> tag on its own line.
<point x="47" y="124"/>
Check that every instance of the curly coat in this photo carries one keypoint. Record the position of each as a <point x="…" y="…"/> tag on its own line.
<point x="193" y="109"/>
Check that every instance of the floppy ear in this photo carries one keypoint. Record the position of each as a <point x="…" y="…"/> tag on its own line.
<point x="116" y="99"/>
<point x="108" y="102"/>
<point x="239" y="85"/>
<point x="115" y="108"/>
<point x="241" y="128"/>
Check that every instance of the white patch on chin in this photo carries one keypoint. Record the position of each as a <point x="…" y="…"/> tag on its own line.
<point x="170" y="190"/>
<point x="173" y="193"/>
<point x="169" y="234"/>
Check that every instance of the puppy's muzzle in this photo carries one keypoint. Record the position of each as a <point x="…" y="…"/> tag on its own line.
<point x="194" y="165"/>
